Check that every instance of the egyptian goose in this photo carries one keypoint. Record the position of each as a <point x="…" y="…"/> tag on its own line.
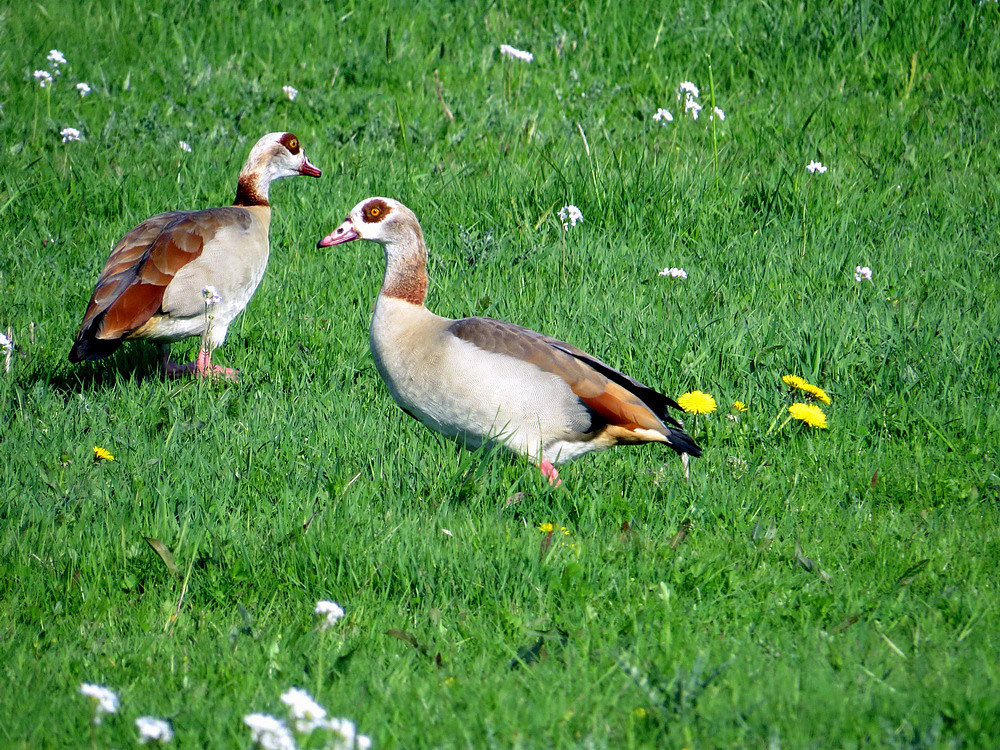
<point x="482" y="381"/>
<point x="162" y="276"/>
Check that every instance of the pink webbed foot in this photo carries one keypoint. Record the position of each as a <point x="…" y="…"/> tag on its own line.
<point x="201" y="367"/>
<point x="550" y="472"/>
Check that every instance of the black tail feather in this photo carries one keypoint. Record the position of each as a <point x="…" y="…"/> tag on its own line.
<point x="681" y="442"/>
<point x="88" y="346"/>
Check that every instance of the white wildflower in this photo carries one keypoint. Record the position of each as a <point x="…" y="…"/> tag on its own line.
<point x="152" y="729"/>
<point x="674" y="273"/>
<point x="332" y="610"/>
<point x="69" y="134"/>
<point x="83" y="88"/>
<point x="185" y="146"/>
<point x="716" y="112"/>
<point x="516" y="54"/>
<point x="815" y="166"/>
<point x="43" y="77"/>
<point x="862" y="273"/>
<point x="211" y="296"/>
<point x="690" y="105"/>
<point x="56" y="58"/>
<point x="687" y="90"/>
<point x="349" y="738"/>
<point x="291" y="92"/>
<point x="5" y="344"/>
<point x="447" y="532"/>
<point x="269" y="733"/>
<point x="570" y="216"/>
<point x="105" y="700"/>
<point x="662" y="116"/>
<point x="306" y="712"/>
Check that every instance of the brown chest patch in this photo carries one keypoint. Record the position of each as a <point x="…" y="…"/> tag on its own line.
<point x="247" y="192"/>
<point x="408" y="283"/>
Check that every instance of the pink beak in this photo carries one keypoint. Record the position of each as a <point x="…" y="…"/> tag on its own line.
<point x="308" y="169"/>
<point x="344" y="233"/>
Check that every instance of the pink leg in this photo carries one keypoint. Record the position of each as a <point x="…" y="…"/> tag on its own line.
<point x="201" y="367"/>
<point x="549" y="472"/>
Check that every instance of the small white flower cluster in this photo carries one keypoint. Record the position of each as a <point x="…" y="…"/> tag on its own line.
<point x="105" y="701"/>
<point x="570" y="216"/>
<point x="307" y="713"/>
<point x="816" y="167"/>
<point x="5" y="344"/>
<point x="185" y="146"/>
<point x="211" y="296"/>
<point x="516" y="54"/>
<point x="291" y="92"/>
<point x="269" y="733"/>
<point x="57" y="58"/>
<point x="663" y="116"/>
<point x="688" y="93"/>
<point x="862" y="273"/>
<point x="331" y="612"/>
<point x="152" y="729"/>
<point x="687" y="89"/>
<point x="307" y="716"/>
<point x="674" y="273"/>
<point x="45" y="78"/>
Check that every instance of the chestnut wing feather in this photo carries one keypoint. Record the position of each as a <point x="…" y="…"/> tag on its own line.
<point x="617" y="398"/>
<point x="130" y="289"/>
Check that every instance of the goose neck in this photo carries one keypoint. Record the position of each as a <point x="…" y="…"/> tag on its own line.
<point x="406" y="270"/>
<point x="252" y="188"/>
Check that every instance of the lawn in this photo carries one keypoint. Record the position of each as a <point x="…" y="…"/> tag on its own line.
<point x="809" y="588"/>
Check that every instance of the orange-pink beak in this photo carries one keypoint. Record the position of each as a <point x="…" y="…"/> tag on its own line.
<point x="344" y="233"/>
<point x="308" y="169"/>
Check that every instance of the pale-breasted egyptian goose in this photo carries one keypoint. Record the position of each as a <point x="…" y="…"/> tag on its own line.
<point x="480" y="380"/>
<point x="152" y="284"/>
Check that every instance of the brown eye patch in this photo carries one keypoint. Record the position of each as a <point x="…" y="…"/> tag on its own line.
<point x="374" y="211"/>
<point x="290" y="142"/>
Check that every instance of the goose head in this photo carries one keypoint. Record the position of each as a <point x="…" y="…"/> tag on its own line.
<point x="383" y="220"/>
<point x="278" y="155"/>
<point x="274" y="156"/>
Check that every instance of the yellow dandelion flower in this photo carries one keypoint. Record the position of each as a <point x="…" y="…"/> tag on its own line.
<point x="739" y="406"/>
<point x="546" y="528"/>
<point x="639" y="713"/>
<point x="100" y="454"/>
<point x="697" y="402"/>
<point x="817" y="392"/>
<point x="811" y="414"/>
<point x="794" y="381"/>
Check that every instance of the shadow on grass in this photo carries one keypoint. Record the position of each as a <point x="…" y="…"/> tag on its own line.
<point x="132" y="362"/>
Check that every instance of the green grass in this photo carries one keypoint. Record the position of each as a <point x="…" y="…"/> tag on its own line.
<point x="726" y="637"/>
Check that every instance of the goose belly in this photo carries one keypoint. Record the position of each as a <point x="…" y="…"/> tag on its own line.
<point x="478" y="397"/>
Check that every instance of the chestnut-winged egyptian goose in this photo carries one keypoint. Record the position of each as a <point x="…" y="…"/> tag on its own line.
<point x="182" y="272"/>
<point x="481" y="380"/>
